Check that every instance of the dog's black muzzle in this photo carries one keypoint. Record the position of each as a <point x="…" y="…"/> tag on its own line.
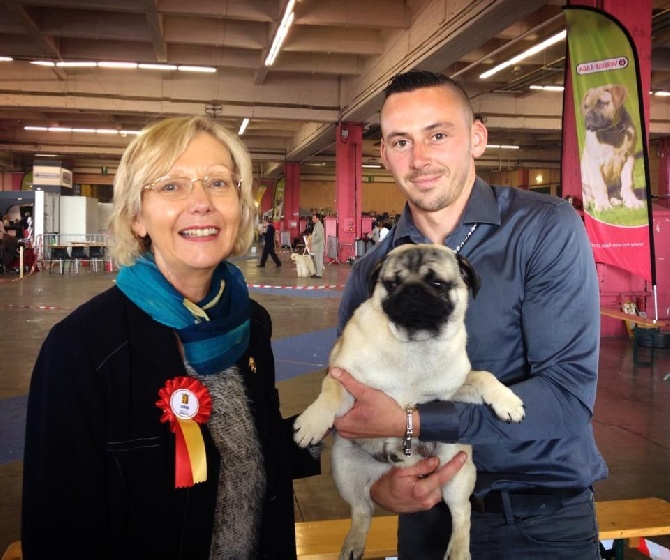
<point x="416" y="307"/>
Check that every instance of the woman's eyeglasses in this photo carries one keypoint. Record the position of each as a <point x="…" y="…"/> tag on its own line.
<point x="178" y="188"/>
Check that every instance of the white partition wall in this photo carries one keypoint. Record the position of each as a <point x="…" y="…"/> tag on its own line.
<point x="79" y="215"/>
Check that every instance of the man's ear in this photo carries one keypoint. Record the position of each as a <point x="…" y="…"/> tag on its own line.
<point x="479" y="138"/>
<point x="382" y="153"/>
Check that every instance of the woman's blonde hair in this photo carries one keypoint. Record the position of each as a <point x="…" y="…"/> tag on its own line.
<point x="149" y="156"/>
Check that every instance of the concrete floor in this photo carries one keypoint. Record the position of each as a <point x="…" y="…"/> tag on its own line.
<point x="632" y="410"/>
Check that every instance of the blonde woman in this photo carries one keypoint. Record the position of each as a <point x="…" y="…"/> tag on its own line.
<point x="153" y="425"/>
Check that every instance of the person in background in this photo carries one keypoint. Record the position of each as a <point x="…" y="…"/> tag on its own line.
<point x="153" y="427"/>
<point x="2" y="231"/>
<point x="384" y="228"/>
<point x="534" y="324"/>
<point x="318" y="245"/>
<point x="268" y="231"/>
<point x="307" y="236"/>
<point x="374" y="234"/>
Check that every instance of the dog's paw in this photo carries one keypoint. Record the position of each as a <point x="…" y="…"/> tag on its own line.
<point x="311" y="427"/>
<point x="353" y="547"/>
<point x="507" y="405"/>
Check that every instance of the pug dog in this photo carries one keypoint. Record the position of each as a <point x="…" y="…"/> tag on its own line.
<point x="608" y="157"/>
<point x="408" y="340"/>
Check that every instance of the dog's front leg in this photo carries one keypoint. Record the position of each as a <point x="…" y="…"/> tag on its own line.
<point x="627" y="191"/>
<point x="313" y="424"/>
<point x="482" y="387"/>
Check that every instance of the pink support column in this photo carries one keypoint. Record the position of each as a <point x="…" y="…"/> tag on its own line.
<point x="292" y="199"/>
<point x="348" y="177"/>
<point x="664" y="172"/>
<point x="524" y="179"/>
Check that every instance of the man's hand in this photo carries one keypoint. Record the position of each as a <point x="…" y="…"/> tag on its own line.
<point x="374" y="413"/>
<point x="416" y="488"/>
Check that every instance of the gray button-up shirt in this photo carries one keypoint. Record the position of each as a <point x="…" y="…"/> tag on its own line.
<point x="535" y="324"/>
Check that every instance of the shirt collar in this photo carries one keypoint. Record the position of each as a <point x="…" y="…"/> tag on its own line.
<point x="481" y="208"/>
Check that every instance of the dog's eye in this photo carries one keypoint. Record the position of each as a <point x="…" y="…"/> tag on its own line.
<point x="390" y="285"/>
<point x="441" y="286"/>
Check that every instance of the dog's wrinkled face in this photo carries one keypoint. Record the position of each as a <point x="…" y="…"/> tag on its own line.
<point x="423" y="289"/>
<point x="601" y="105"/>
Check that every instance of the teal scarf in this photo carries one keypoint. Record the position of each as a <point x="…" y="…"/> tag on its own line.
<point x="214" y="332"/>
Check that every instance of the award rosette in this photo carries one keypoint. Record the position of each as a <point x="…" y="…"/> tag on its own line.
<point x="186" y="403"/>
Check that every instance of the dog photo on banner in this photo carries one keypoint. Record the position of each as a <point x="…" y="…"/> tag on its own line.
<point x="612" y="137"/>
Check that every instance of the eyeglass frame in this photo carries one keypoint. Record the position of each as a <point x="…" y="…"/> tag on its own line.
<point x="237" y="183"/>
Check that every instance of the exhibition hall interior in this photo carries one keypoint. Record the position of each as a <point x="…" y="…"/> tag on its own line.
<point x="301" y="82"/>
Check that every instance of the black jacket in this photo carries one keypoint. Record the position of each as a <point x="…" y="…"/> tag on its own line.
<point x="269" y="236"/>
<point x="99" y="464"/>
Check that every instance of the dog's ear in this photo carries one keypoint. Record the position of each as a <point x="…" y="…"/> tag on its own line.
<point x="468" y="274"/>
<point x="619" y="93"/>
<point x="374" y="276"/>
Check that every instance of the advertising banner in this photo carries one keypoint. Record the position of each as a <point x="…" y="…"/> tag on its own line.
<point x="612" y="141"/>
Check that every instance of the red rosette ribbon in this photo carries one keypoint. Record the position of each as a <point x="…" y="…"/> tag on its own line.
<point x="186" y="403"/>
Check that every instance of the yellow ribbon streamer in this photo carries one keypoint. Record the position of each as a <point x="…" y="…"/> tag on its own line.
<point x="196" y="449"/>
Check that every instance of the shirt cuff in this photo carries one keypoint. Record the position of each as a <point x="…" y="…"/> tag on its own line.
<point x="439" y="421"/>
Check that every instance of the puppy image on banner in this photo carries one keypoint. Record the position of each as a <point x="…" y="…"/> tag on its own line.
<point x="608" y="157"/>
<point x="304" y="265"/>
<point x="409" y="341"/>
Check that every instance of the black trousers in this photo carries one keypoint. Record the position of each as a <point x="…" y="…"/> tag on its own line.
<point x="269" y="250"/>
<point x="560" y="528"/>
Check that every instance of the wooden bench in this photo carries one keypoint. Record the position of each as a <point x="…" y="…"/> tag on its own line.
<point x="639" y="325"/>
<point x="621" y="520"/>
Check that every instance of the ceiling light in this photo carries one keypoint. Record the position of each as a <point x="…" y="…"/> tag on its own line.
<point x="548" y="88"/>
<point x="206" y="69"/>
<point x="81" y="130"/>
<point x="76" y="64"/>
<point x="243" y="127"/>
<point x="530" y="52"/>
<point x="662" y="93"/>
<point x="6" y="59"/>
<point x="281" y="33"/>
<point x="372" y="166"/>
<point x="46" y="155"/>
<point x="157" y="66"/>
<point x="123" y="65"/>
<point x="502" y="146"/>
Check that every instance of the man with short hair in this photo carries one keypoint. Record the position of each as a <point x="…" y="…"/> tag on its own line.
<point x="534" y="324"/>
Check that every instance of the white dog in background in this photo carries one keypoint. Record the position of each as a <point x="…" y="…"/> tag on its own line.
<point x="304" y="264"/>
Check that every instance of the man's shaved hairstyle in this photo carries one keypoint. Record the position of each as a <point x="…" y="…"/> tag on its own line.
<point x="417" y="79"/>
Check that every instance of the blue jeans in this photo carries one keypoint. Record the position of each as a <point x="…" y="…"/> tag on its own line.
<point x="570" y="532"/>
